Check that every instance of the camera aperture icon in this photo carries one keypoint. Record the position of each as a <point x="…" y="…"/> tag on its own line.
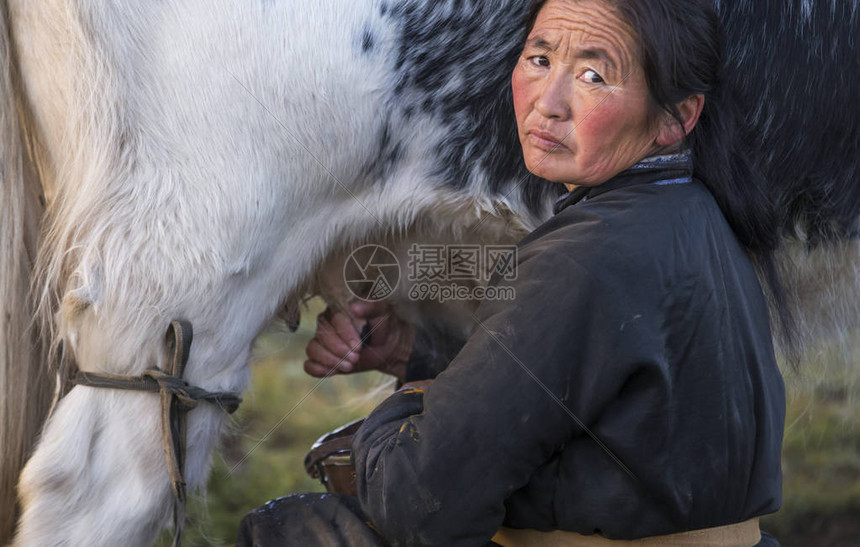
<point x="371" y="273"/>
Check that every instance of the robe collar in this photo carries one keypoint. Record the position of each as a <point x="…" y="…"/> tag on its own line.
<point x="662" y="170"/>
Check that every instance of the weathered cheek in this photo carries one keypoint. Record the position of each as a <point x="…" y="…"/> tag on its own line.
<point x="595" y="124"/>
<point x="520" y="89"/>
<point x="609" y="121"/>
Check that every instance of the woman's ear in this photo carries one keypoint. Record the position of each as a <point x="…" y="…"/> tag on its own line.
<point x="689" y="110"/>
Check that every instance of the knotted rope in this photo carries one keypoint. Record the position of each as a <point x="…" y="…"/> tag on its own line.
<point x="177" y="398"/>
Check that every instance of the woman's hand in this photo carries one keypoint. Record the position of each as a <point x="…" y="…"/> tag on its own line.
<point x="337" y="347"/>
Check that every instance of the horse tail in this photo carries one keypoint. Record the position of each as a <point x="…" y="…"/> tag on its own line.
<point x="25" y="394"/>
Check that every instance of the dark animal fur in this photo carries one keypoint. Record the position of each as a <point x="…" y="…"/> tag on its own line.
<point x="794" y="66"/>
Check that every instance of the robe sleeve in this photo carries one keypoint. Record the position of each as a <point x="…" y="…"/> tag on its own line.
<point x="436" y="467"/>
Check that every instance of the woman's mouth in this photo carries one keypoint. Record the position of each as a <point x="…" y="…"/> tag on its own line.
<point x="547" y="141"/>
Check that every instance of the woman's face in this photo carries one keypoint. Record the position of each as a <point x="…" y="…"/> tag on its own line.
<point x="580" y="96"/>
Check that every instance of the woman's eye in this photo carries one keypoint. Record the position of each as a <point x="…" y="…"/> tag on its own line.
<point x="539" y="60"/>
<point x="592" y="77"/>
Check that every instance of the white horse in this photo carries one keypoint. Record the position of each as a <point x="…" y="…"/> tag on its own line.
<point x="202" y="160"/>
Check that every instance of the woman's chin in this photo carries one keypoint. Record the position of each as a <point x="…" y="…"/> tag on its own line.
<point x="549" y="172"/>
<point x="548" y="166"/>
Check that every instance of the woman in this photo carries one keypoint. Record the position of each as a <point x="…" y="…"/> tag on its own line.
<point x="630" y="390"/>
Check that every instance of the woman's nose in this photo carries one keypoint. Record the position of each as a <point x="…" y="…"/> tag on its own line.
<point x="554" y="101"/>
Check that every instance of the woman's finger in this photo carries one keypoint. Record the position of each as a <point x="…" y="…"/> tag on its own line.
<point x="317" y="370"/>
<point x="319" y="354"/>
<point x="346" y="330"/>
<point x="330" y="338"/>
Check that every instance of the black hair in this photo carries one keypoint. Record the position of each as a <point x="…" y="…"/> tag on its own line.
<point x="681" y="50"/>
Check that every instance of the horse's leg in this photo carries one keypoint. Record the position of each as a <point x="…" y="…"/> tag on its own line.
<point x="96" y="481"/>
<point x="98" y="475"/>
